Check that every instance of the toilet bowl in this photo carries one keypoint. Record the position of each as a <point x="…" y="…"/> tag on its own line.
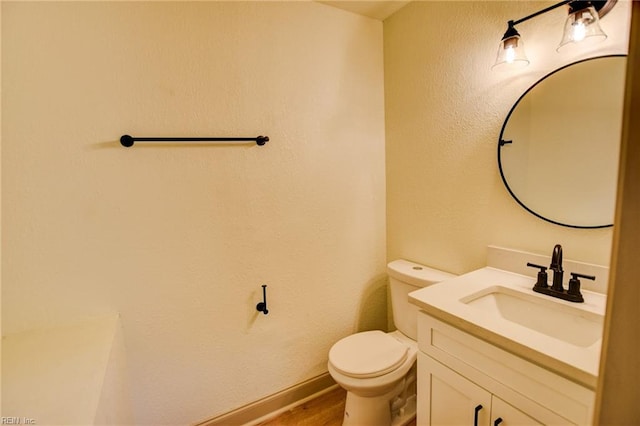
<point x="378" y="369"/>
<point x="373" y="367"/>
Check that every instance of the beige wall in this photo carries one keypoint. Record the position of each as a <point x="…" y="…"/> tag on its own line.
<point x="444" y="111"/>
<point x="179" y="239"/>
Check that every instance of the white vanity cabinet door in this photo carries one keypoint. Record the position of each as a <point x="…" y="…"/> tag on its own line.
<point x="447" y="398"/>
<point x="509" y="415"/>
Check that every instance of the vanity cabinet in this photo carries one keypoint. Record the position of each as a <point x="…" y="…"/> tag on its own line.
<point x="447" y="398"/>
<point x="463" y="380"/>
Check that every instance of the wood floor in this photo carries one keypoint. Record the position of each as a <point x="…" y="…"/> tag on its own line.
<point x="325" y="410"/>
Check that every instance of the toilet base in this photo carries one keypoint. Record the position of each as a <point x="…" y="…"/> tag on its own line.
<point x="406" y="414"/>
<point x="395" y="408"/>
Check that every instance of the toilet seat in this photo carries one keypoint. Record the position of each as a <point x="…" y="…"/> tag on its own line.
<point x="367" y="354"/>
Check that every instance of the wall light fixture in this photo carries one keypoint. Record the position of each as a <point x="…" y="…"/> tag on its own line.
<point x="582" y="25"/>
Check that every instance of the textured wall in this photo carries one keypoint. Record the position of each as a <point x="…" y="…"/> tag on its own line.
<point x="178" y="239"/>
<point x="444" y="110"/>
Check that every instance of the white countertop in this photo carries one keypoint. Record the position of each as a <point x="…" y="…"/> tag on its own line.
<point x="446" y="302"/>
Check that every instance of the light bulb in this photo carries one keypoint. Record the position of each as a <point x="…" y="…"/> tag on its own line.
<point x="509" y="54"/>
<point x="579" y="31"/>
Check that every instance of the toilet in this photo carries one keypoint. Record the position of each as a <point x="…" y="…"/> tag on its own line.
<point x="378" y="369"/>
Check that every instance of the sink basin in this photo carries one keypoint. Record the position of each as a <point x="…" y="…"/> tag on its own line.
<point x="567" y="323"/>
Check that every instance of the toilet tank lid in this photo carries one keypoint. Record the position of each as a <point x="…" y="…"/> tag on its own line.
<point x="416" y="274"/>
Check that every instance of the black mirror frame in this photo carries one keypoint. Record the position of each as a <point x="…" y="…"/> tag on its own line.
<point x="502" y="142"/>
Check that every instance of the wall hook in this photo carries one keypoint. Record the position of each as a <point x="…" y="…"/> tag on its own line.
<point x="262" y="306"/>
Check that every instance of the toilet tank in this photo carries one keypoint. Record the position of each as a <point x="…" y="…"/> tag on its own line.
<point x="405" y="277"/>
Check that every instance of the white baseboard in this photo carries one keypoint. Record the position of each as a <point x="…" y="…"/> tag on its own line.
<point x="275" y="404"/>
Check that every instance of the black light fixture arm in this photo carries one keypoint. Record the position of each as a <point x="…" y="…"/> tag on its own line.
<point x="540" y="12"/>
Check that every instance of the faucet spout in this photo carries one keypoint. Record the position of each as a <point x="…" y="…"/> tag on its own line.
<point x="556" y="258"/>
<point x="556" y="267"/>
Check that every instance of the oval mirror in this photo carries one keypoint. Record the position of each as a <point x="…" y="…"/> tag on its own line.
<point x="559" y="145"/>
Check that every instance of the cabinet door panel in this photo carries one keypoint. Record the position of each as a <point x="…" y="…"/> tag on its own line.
<point x="509" y="414"/>
<point x="446" y="398"/>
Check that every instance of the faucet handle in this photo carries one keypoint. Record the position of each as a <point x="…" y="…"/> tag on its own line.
<point x="542" y="275"/>
<point x="588" y="277"/>
<point x="574" y="286"/>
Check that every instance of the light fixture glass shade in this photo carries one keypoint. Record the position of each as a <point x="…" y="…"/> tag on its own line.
<point x="581" y="25"/>
<point x="510" y="54"/>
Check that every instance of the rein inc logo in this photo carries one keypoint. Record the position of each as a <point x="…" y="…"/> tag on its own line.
<point x="17" y="421"/>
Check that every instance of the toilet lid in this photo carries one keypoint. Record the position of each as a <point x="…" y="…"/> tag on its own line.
<point x="367" y="354"/>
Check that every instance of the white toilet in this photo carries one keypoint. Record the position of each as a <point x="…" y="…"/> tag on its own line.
<point x="378" y="369"/>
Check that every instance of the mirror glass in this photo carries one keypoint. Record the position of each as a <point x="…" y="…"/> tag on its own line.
<point x="559" y="145"/>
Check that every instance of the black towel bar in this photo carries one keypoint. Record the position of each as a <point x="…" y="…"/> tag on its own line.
<point x="127" y="140"/>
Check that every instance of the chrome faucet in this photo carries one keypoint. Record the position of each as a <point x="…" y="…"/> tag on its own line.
<point x="556" y="267"/>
